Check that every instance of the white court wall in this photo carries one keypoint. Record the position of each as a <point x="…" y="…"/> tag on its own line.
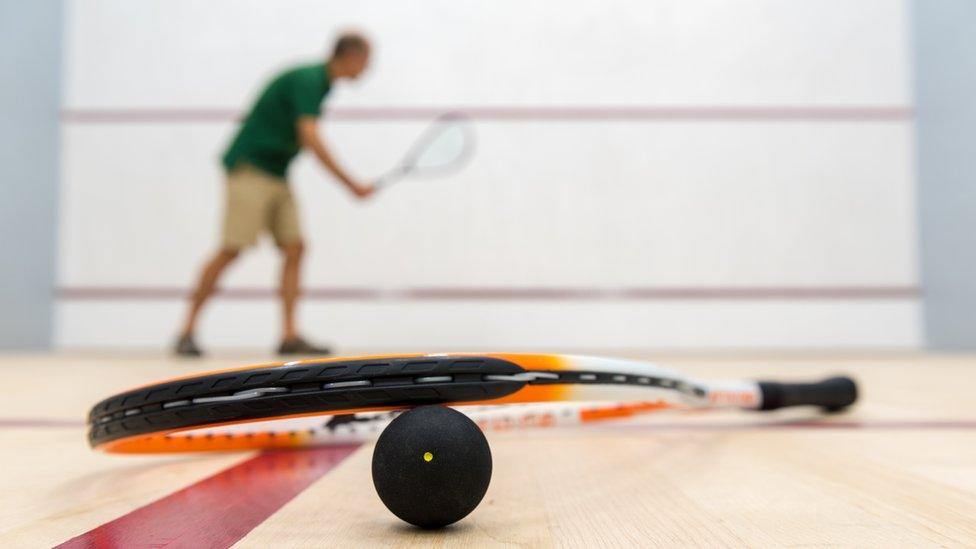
<point x="766" y="201"/>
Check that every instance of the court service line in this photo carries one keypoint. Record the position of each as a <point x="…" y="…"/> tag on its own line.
<point x="841" y="424"/>
<point x="812" y="424"/>
<point x="114" y="293"/>
<point x="664" y="113"/>
<point x="38" y="423"/>
<point x="220" y="510"/>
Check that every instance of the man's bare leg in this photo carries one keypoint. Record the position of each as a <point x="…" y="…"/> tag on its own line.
<point x="290" y="287"/>
<point x="291" y="342"/>
<point x="205" y="287"/>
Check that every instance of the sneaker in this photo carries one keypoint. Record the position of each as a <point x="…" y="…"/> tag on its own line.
<point x="185" y="346"/>
<point x="298" y="346"/>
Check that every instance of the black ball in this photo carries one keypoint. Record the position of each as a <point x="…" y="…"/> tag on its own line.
<point x="431" y="466"/>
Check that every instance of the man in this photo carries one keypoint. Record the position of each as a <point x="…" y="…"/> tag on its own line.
<point x="282" y="122"/>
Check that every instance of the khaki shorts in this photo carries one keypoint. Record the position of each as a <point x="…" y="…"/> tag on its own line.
<point x="258" y="201"/>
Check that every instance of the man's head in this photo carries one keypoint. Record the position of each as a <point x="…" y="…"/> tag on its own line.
<point x="350" y="56"/>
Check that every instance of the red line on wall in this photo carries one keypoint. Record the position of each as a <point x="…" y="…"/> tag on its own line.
<point x="518" y="113"/>
<point x="220" y="510"/>
<point x="112" y="293"/>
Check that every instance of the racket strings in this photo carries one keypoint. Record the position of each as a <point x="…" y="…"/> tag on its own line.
<point x="443" y="148"/>
<point x="341" y="428"/>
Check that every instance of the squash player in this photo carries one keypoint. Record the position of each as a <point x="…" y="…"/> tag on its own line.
<point x="282" y="122"/>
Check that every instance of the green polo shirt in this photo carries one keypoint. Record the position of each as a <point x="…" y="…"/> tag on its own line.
<point x="268" y="138"/>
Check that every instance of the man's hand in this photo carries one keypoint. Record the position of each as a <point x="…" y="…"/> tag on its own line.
<point x="362" y="192"/>
<point x="308" y="136"/>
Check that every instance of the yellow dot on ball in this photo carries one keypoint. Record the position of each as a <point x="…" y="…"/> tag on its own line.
<point x="428" y="456"/>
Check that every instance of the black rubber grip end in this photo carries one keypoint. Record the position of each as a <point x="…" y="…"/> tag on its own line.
<point x="833" y="394"/>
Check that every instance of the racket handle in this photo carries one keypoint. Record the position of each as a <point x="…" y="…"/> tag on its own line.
<point x="832" y="394"/>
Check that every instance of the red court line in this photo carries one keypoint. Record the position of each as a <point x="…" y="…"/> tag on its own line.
<point x="519" y="113"/>
<point x="107" y="293"/>
<point x="220" y="510"/>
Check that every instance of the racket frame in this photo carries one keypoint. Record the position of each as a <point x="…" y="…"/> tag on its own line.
<point x="135" y="420"/>
<point x="407" y="166"/>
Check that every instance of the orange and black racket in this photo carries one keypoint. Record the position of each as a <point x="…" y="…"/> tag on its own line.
<point x="256" y="406"/>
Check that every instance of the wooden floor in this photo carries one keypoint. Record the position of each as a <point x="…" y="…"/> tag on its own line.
<point x="897" y="471"/>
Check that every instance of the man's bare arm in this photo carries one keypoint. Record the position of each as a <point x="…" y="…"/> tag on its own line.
<point x="308" y="137"/>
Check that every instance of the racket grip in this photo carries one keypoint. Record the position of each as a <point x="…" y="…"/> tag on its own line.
<point x="832" y="394"/>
